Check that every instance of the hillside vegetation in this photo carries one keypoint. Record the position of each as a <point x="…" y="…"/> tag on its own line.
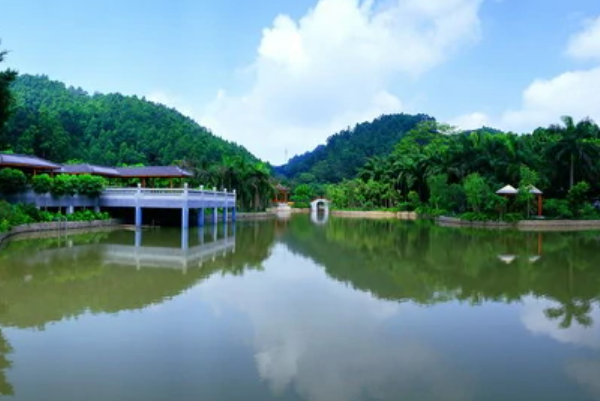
<point x="347" y="151"/>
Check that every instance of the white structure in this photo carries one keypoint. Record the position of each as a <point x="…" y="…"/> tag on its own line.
<point x="319" y="205"/>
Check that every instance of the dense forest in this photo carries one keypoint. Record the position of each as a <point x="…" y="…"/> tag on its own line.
<point x="436" y="169"/>
<point x="60" y="123"/>
<point x="347" y="151"/>
<point x="66" y="124"/>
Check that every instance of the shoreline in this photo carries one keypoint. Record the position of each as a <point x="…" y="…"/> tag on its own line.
<point x="58" y="226"/>
<point x="523" y="225"/>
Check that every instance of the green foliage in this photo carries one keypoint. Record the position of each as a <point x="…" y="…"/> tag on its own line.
<point x="15" y="215"/>
<point x="6" y="98"/>
<point x="577" y="196"/>
<point x="458" y="172"/>
<point x="89" y="185"/>
<point x="64" y="185"/>
<point x="12" y="181"/>
<point x="302" y="196"/>
<point x="42" y="184"/>
<point x="476" y="191"/>
<point x="557" y="208"/>
<point x="64" y="124"/>
<point x="347" y="151"/>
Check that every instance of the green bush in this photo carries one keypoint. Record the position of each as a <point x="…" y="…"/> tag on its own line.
<point x="64" y="185"/>
<point x="89" y="185"/>
<point x="42" y="184"/>
<point x="12" y="181"/>
<point x="577" y="197"/>
<point x="557" y="209"/>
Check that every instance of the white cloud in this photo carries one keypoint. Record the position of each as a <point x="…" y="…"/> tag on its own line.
<point x="298" y="347"/>
<point x="333" y="68"/>
<point x="585" y="45"/>
<point x="470" y="121"/>
<point x="544" y="101"/>
<point x="575" y="93"/>
<point x="535" y="320"/>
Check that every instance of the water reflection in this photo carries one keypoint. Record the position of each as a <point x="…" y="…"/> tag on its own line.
<point x="348" y="310"/>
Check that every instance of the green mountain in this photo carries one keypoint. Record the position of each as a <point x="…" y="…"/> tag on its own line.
<point x="347" y="151"/>
<point x="60" y="123"/>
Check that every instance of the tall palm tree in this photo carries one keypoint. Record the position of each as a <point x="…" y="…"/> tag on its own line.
<point x="577" y="145"/>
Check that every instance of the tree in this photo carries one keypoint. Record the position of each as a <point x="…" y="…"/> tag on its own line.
<point x="12" y="181"/>
<point x="6" y="99"/>
<point x="577" y="145"/>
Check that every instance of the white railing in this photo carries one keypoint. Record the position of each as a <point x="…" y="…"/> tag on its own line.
<point x="168" y="192"/>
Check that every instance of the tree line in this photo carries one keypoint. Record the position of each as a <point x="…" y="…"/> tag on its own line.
<point x="437" y="169"/>
<point x="42" y="117"/>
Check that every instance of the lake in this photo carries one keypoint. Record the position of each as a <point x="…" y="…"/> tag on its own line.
<point x="293" y="310"/>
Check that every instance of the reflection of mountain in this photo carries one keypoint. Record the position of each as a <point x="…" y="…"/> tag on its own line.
<point x="50" y="279"/>
<point x="425" y="264"/>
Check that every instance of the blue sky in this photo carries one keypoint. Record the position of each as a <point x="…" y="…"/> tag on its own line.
<point x="277" y="75"/>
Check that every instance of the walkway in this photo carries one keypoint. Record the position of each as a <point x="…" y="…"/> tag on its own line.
<point x="140" y="198"/>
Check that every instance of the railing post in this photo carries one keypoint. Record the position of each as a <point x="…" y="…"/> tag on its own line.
<point x="225" y="207"/>
<point x="138" y="207"/>
<point x="233" y="208"/>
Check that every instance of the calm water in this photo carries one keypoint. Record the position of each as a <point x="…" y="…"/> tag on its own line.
<point x="349" y="310"/>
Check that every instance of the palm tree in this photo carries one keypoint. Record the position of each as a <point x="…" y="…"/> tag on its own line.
<point x="577" y="144"/>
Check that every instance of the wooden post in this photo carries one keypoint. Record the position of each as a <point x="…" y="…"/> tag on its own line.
<point x="171" y="182"/>
<point x="144" y="182"/>
<point x="540" y="207"/>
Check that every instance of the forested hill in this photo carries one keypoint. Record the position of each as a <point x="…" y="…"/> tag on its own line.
<point x="347" y="151"/>
<point x="62" y="123"/>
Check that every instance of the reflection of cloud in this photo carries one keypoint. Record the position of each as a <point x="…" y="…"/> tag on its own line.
<point x="586" y="373"/>
<point x="328" y="341"/>
<point x="535" y="320"/>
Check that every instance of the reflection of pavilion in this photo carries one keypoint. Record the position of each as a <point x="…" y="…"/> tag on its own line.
<point x="221" y="243"/>
<point x="532" y="258"/>
<point x="176" y="258"/>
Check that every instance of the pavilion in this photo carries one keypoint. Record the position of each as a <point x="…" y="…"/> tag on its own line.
<point x="34" y="165"/>
<point x="281" y="195"/>
<point x="28" y="164"/>
<point x="509" y="190"/>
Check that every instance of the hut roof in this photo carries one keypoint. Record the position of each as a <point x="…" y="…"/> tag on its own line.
<point x="153" y="172"/>
<point x="24" y="161"/>
<point x="507" y="190"/>
<point x="88" y="169"/>
<point x="280" y="187"/>
<point x="534" y="190"/>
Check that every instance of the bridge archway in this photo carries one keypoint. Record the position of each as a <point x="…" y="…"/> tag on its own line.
<point x="320" y="205"/>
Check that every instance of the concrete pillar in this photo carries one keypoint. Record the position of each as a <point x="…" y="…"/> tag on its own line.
<point x="185" y="239"/>
<point x="70" y="209"/>
<point x="215" y="216"/>
<point x="185" y="217"/>
<point x="138" y="216"/>
<point x="233" y="213"/>
<point x="201" y="217"/>
<point x="97" y="209"/>
<point x="215" y="234"/>
<point x="138" y="237"/>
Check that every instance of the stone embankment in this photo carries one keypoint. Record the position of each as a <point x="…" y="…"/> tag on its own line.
<point x="58" y="226"/>
<point x="524" y="225"/>
<point x="375" y="214"/>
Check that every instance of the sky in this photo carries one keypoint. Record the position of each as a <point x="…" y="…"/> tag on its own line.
<point x="281" y="76"/>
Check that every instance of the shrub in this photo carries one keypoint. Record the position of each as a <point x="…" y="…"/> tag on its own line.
<point x="89" y="185"/>
<point x="577" y="197"/>
<point x="12" y="181"/>
<point x="558" y="209"/>
<point x="42" y="184"/>
<point x="64" y="185"/>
